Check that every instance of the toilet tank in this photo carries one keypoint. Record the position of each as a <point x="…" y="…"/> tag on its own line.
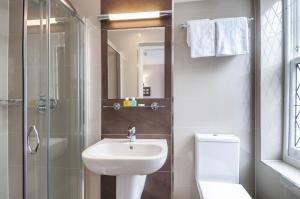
<point x="217" y="157"/>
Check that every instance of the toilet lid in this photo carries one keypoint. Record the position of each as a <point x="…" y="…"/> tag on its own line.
<point x="217" y="190"/>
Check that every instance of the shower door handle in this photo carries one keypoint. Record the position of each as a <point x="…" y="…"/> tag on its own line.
<point x="33" y="150"/>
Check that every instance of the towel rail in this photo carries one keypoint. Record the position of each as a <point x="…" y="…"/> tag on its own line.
<point x="185" y="24"/>
<point x="11" y="101"/>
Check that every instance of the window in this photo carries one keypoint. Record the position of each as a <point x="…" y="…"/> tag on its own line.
<point x="294" y="104"/>
<point x="292" y="57"/>
<point x="296" y="133"/>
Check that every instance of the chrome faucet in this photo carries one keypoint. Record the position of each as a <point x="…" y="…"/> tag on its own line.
<point x="131" y="134"/>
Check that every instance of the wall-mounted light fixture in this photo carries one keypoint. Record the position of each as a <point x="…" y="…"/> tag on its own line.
<point x="37" y="22"/>
<point x="135" y="15"/>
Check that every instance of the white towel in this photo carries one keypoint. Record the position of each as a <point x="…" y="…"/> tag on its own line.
<point x="232" y="36"/>
<point x="201" y="38"/>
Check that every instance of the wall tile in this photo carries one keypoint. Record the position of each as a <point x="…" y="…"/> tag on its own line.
<point x="91" y="9"/>
<point x="211" y="95"/>
<point x="93" y="190"/>
<point x="157" y="186"/>
<point x="190" y="192"/>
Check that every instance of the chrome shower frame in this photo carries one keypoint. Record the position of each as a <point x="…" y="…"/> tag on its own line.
<point x="81" y="121"/>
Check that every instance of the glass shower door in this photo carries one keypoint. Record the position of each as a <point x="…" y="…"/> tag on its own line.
<point x="66" y="100"/>
<point x="53" y="101"/>
<point x="36" y="125"/>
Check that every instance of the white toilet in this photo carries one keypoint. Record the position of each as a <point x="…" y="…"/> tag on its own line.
<point x="217" y="167"/>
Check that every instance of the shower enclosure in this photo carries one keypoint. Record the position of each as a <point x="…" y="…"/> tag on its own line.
<point x="41" y="100"/>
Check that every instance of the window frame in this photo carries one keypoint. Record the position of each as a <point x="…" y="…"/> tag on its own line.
<point x="291" y="154"/>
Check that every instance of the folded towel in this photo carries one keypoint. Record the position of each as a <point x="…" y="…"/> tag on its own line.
<point x="201" y="38"/>
<point x="188" y="39"/>
<point x="232" y="36"/>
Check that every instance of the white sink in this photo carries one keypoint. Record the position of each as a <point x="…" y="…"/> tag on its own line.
<point x="121" y="157"/>
<point x="57" y="147"/>
<point x="129" y="161"/>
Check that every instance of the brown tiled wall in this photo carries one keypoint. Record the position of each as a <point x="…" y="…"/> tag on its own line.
<point x="158" y="185"/>
<point x="149" y="123"/>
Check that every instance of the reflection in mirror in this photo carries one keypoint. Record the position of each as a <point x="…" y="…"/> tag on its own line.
<point x="113" y="72"/>
<point x="136" y="63"/>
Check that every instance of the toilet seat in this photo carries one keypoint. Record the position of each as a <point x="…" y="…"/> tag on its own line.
<point x="219" y="190"/>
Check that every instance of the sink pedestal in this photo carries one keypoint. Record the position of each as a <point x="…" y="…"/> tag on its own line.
<point x="130" y="186"/>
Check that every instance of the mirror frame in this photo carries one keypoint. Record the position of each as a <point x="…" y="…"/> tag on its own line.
<point x="165" y="22"/>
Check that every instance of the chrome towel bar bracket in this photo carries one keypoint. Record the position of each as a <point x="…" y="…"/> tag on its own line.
<point x="11" y="102"/>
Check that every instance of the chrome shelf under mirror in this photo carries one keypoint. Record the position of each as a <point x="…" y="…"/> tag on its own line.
<point x="154" y="106"/>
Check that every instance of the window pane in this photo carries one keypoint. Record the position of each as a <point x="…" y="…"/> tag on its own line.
<point x="297" y="107"/>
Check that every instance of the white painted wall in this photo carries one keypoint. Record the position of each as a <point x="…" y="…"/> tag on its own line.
<point x="271" y="79"/>
<point x="211" y="95"/>
<point x="112" y="61"/>
<point x="154" y="76"/>
<point x="4" y="36"/>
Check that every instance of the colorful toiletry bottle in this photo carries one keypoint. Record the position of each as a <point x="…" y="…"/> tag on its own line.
<point x="126" y="102"/>
<point x="133" y="102"/>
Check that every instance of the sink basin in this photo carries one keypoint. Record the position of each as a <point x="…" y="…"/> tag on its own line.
<point x="57" y="147"/>
<point x="129" y="161"/>
<point x="121" y="157"/>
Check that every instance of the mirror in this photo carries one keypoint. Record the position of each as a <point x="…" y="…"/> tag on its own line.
<point x="136" y="63"/>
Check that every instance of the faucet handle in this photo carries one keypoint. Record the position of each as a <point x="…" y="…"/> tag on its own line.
<point x="131" y="129"/>
<point x="131" y="132"/>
